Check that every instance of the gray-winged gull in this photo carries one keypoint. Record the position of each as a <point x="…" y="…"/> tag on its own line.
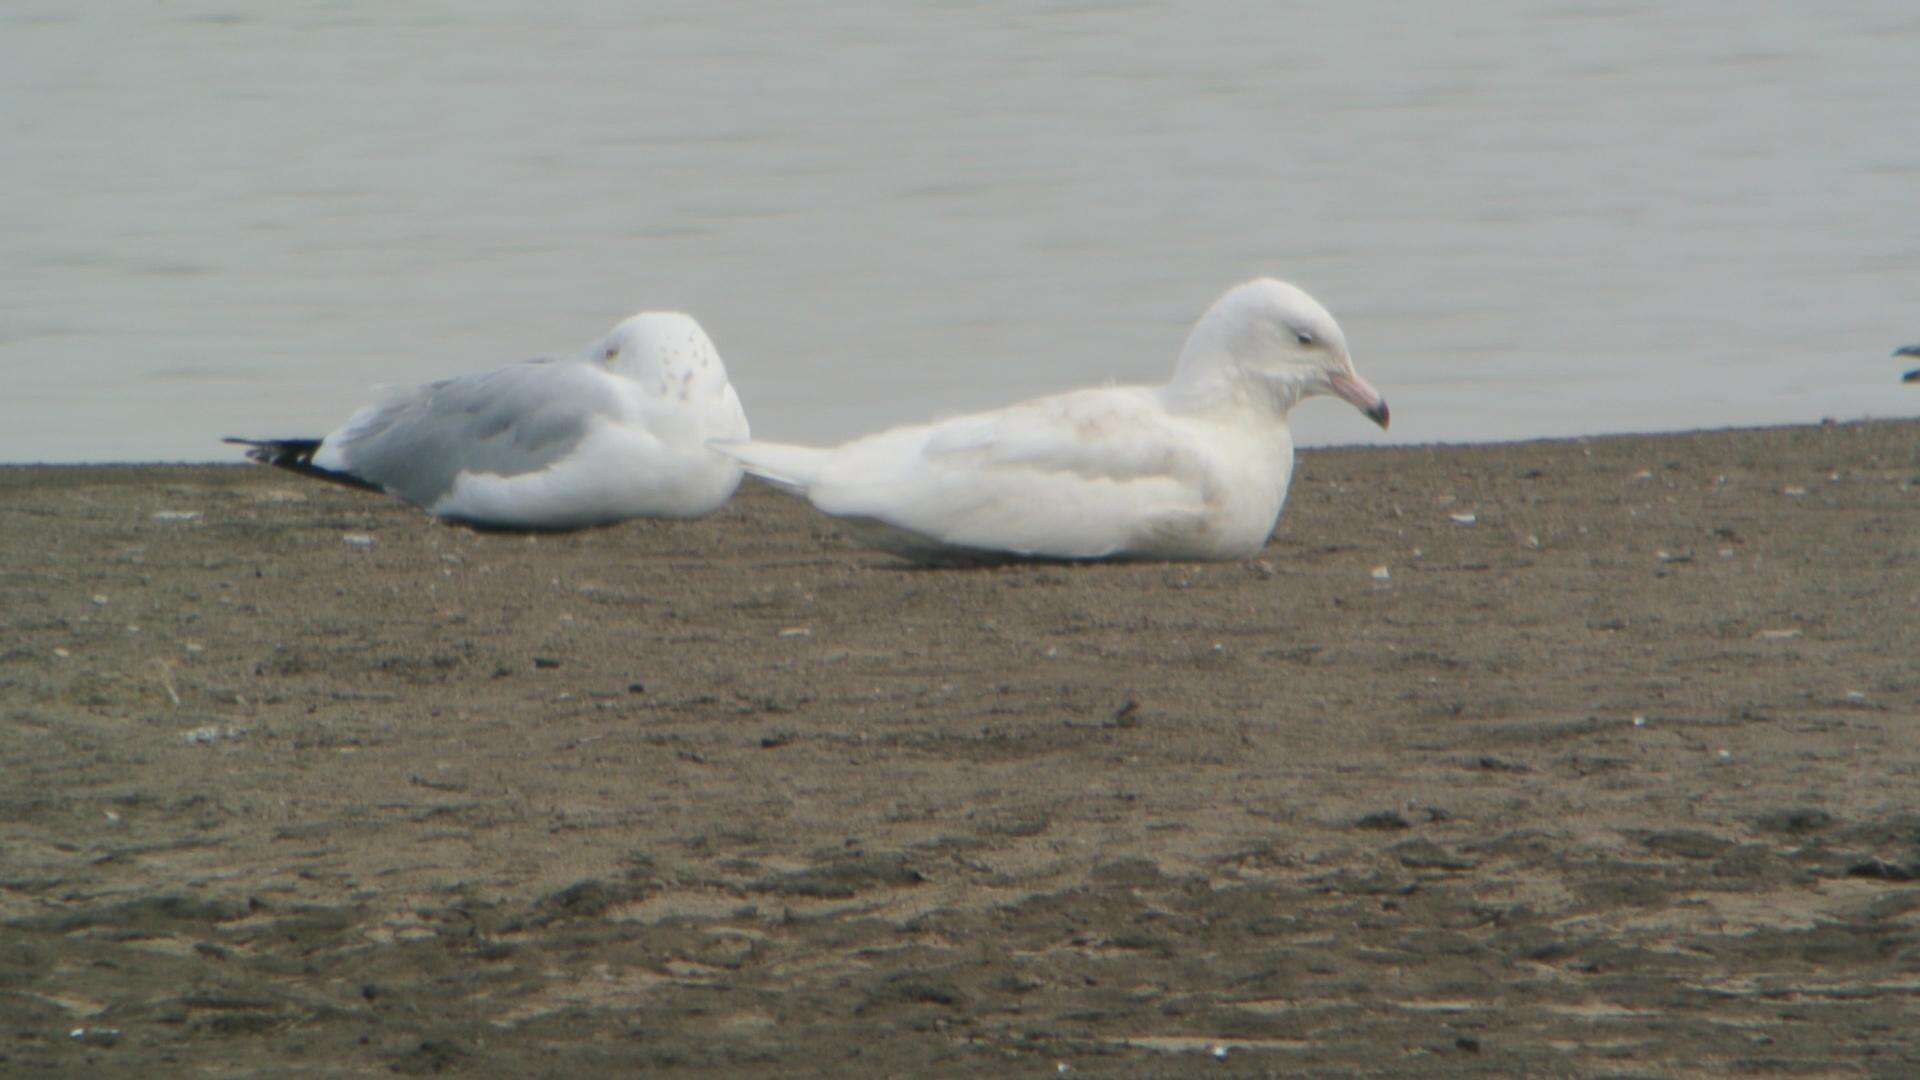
<point x="618" y="431"/>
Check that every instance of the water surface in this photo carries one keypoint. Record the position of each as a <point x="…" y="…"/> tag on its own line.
<point x="1532" y="219"/>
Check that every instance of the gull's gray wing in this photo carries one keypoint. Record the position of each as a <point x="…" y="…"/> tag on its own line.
<point x="517" y="419"/>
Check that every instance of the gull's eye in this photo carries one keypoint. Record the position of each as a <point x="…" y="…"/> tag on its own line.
<point x="1303" y="337"/>
<point x="611" y="352"/>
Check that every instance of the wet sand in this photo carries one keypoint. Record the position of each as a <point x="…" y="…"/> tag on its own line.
<point x="1560" y="758"/>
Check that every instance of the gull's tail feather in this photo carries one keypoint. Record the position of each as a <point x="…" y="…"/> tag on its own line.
<point x="296" y="455"/>
<point x="795" y="468"/>
<point x="1909" y="350"/>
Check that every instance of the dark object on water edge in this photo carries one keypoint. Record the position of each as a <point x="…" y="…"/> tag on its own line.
<point x="1909" y="350"/>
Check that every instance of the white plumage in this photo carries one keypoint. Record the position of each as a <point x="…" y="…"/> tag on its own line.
<point x="1195" y="469"/>
<point x="618" y="431"/>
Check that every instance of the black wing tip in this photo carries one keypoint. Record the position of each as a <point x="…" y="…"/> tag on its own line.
<point x="296" y="455"/>
<point x="287" y="453"/>
<point x="260" y="450"/>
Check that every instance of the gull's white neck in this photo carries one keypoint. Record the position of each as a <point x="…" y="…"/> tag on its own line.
<point x="1208" y="378"/>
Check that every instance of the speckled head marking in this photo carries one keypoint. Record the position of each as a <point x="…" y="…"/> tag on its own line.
<point x="665" y="351"/>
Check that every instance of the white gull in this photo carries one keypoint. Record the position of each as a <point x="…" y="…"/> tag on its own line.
<point x="617" y="431"/>
<point x="1195" y="469"/>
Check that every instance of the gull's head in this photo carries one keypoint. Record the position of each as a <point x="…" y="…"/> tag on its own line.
<point x="665" y="351"/>
<point x="1283" y="340"/>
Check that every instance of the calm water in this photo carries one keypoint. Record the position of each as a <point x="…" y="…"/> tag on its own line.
<point x="1531" y="218"/>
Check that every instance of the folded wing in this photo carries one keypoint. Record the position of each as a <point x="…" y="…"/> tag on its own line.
<point x="518" y="419"/>
<point x="1084" y="475"/>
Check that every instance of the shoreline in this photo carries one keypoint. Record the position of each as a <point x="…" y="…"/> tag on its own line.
<point x="1825" y="422"/>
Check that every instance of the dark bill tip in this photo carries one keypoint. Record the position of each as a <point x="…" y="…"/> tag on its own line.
<point x="1378" y="414"/>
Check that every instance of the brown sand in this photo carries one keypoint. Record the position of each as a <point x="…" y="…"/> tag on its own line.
<point x="1622" y="777"/>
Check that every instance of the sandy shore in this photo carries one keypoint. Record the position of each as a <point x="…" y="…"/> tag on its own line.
<point x="1555" y="758"/>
